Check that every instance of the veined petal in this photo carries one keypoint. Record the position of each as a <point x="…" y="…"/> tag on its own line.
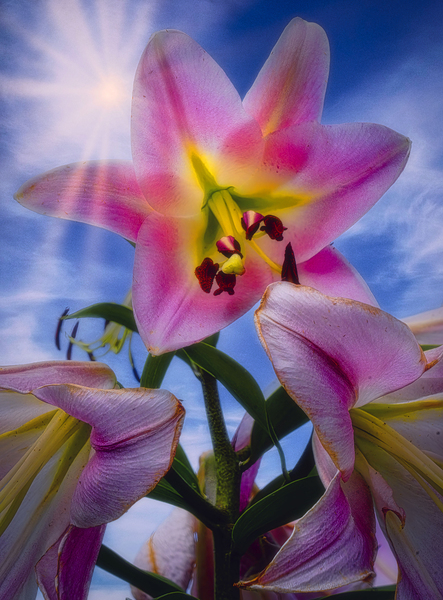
<point x="331" y="354"/>
<point x="430" y="383"/>
<point x="184" y="106"/>
<point x="331" y="546"/>
<point x="320" y="179"/>
<point x="170" y="551"/>
<point x="65" y="570"/>
<point x="17" y="409"/>
<point x="105" y="194"/>
<point x="291" y="85"/>
<point x="170" y="308"/>
<point x="134" y="445"/>
<point x="330" y="273"/>
<point x="26" y="378"/>
<point x="241" y="439"/>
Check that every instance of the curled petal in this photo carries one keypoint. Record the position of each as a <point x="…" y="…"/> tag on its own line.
<point x="105" y="194"/>
<point x="427" y="326"/>
<point x="133" y="444"/>
<point x="331" y="546"/>
<point x="291" y="85"/>
<point x="187" y="121"/>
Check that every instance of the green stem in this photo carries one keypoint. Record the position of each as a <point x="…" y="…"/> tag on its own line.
<point x="228" y="477"/>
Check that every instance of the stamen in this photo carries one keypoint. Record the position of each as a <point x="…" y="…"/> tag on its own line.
<point x="289" y="269"/>
<point x="205" y="274"/>
<point x="72" y="336"/>
<point x="228" y="246"/>
<point x="251" y="222"/>
<point x="234" y="265"/>
<point x="273" y="227"/>
<point x="226" y="283"/>
<point x="59" y="328"/>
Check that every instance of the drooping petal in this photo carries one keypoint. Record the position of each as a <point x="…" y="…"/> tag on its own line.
<point x="105" y="194"/>
<point x="320" y="179"/>
<point x="26" y="378"/>
<point x="291" y="85"/>
<point x="170" y="307"/>
<point x="331" y="546"/>
<point x="330" y="273"/>
<point x="331" y="354"/>
<point x="65" y="570"/>
<point x="185" y="109"/>
<point x="40" y="520"/>
<point x="416" y="542"/>
<point x="170" y="551"/>
<point x="427" y="326"/>
<point x="134" y="445"/>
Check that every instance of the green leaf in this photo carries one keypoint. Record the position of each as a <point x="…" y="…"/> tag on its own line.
<point x="155" y="369"/>
<point x="110" y="311"/>
<point x="428" y="346"/>
<point x="164" y="492"/>
<point x="284" y="415"/>
<point x="154" y="585"/>
<point x="182" y="466"/>
<point x="278" y="508"/>
<point x="176" y="596"/>
<point x="235" y="378"/>
<point x="382" y="593"/>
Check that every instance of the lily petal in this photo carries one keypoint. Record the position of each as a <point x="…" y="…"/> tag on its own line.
<point x="331" y="354"/>
<point x="184" y="107"/>
<point x="170" y="551"/>
<point x="65" y="570"/>
<point x="170" y="308"/>
<point x="105" y="194"/>
<point x="323" y="178"/>
<point x="134" y="445"/>
<point x="331" y="546"/>
<point x="291" y="85"/>
<point x="427" y="326"/>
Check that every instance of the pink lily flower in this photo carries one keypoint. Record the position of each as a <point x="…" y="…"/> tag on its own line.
<point x="427" y="326"/>
<point x="76" y="454"/>
<point x="375" y="401"/>
<point x="217" y="184"/>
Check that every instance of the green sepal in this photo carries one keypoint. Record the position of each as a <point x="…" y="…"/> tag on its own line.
<point x="150" y="583"/>
<point x="233" y="376"/>
<point x="155" y="369"/>
<point x="110" y="311"/>
<point x="286" y="504"/>
<point x="284" y="416"/>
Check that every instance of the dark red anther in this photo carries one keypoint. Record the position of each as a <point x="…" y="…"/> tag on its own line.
<point x="289" y="268"/>
<point x="205" y="274"/>
<point x="59" y="328"/>
<point x="73" y="334"/>
<point x="225" y="282"/>
<point x="250" y="222"/>
<point x="228" y="246"/>
<point x="273" y="227"/>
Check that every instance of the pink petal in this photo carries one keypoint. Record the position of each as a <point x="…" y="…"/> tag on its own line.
<point x="170" y="551"/>
<point x="170" y="308"/>
<point x="134" y="436"/>
<point x="184" y="105"/>
<point x="330" y="273"/>
<point x="427" y="326"/>
<point x="105" y="194"/>
<point x="331" y="354"/>
<point x="241" y="439"/>
<point x="17" y="409"/>
<point x="319" y="180"/>
<point x="291" y="85"/>
<point x="65" y="571"/>
<point x="26" y="378"/>
<point x="431" y="382"/>
<point x="331" y="546"/>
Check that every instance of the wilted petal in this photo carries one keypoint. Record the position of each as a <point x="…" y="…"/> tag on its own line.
<point x="170" y="551"/>
<point x="332" y="545"/>
<point x="105" y="194"/>
<point x="170" y="307"/>
<point x="291" y="85"/>
<point x="65" y="571"/>
<point x="331" y="354"/>
<point x="184" y="106"/>
<point x="134" y="445"/>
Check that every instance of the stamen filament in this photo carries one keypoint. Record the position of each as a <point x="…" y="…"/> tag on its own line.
<point x="274" y="266"/>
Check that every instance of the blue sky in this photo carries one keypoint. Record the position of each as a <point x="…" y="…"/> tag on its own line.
<point x="65" y="83"/>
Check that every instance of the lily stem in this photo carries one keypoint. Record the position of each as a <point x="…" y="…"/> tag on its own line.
<point x="227" y="500"/>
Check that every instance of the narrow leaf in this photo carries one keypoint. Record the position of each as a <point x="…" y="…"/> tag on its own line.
<point x="278" y="508"/>
<point x="155" y="369"/>
<point x="110" y="311"/>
